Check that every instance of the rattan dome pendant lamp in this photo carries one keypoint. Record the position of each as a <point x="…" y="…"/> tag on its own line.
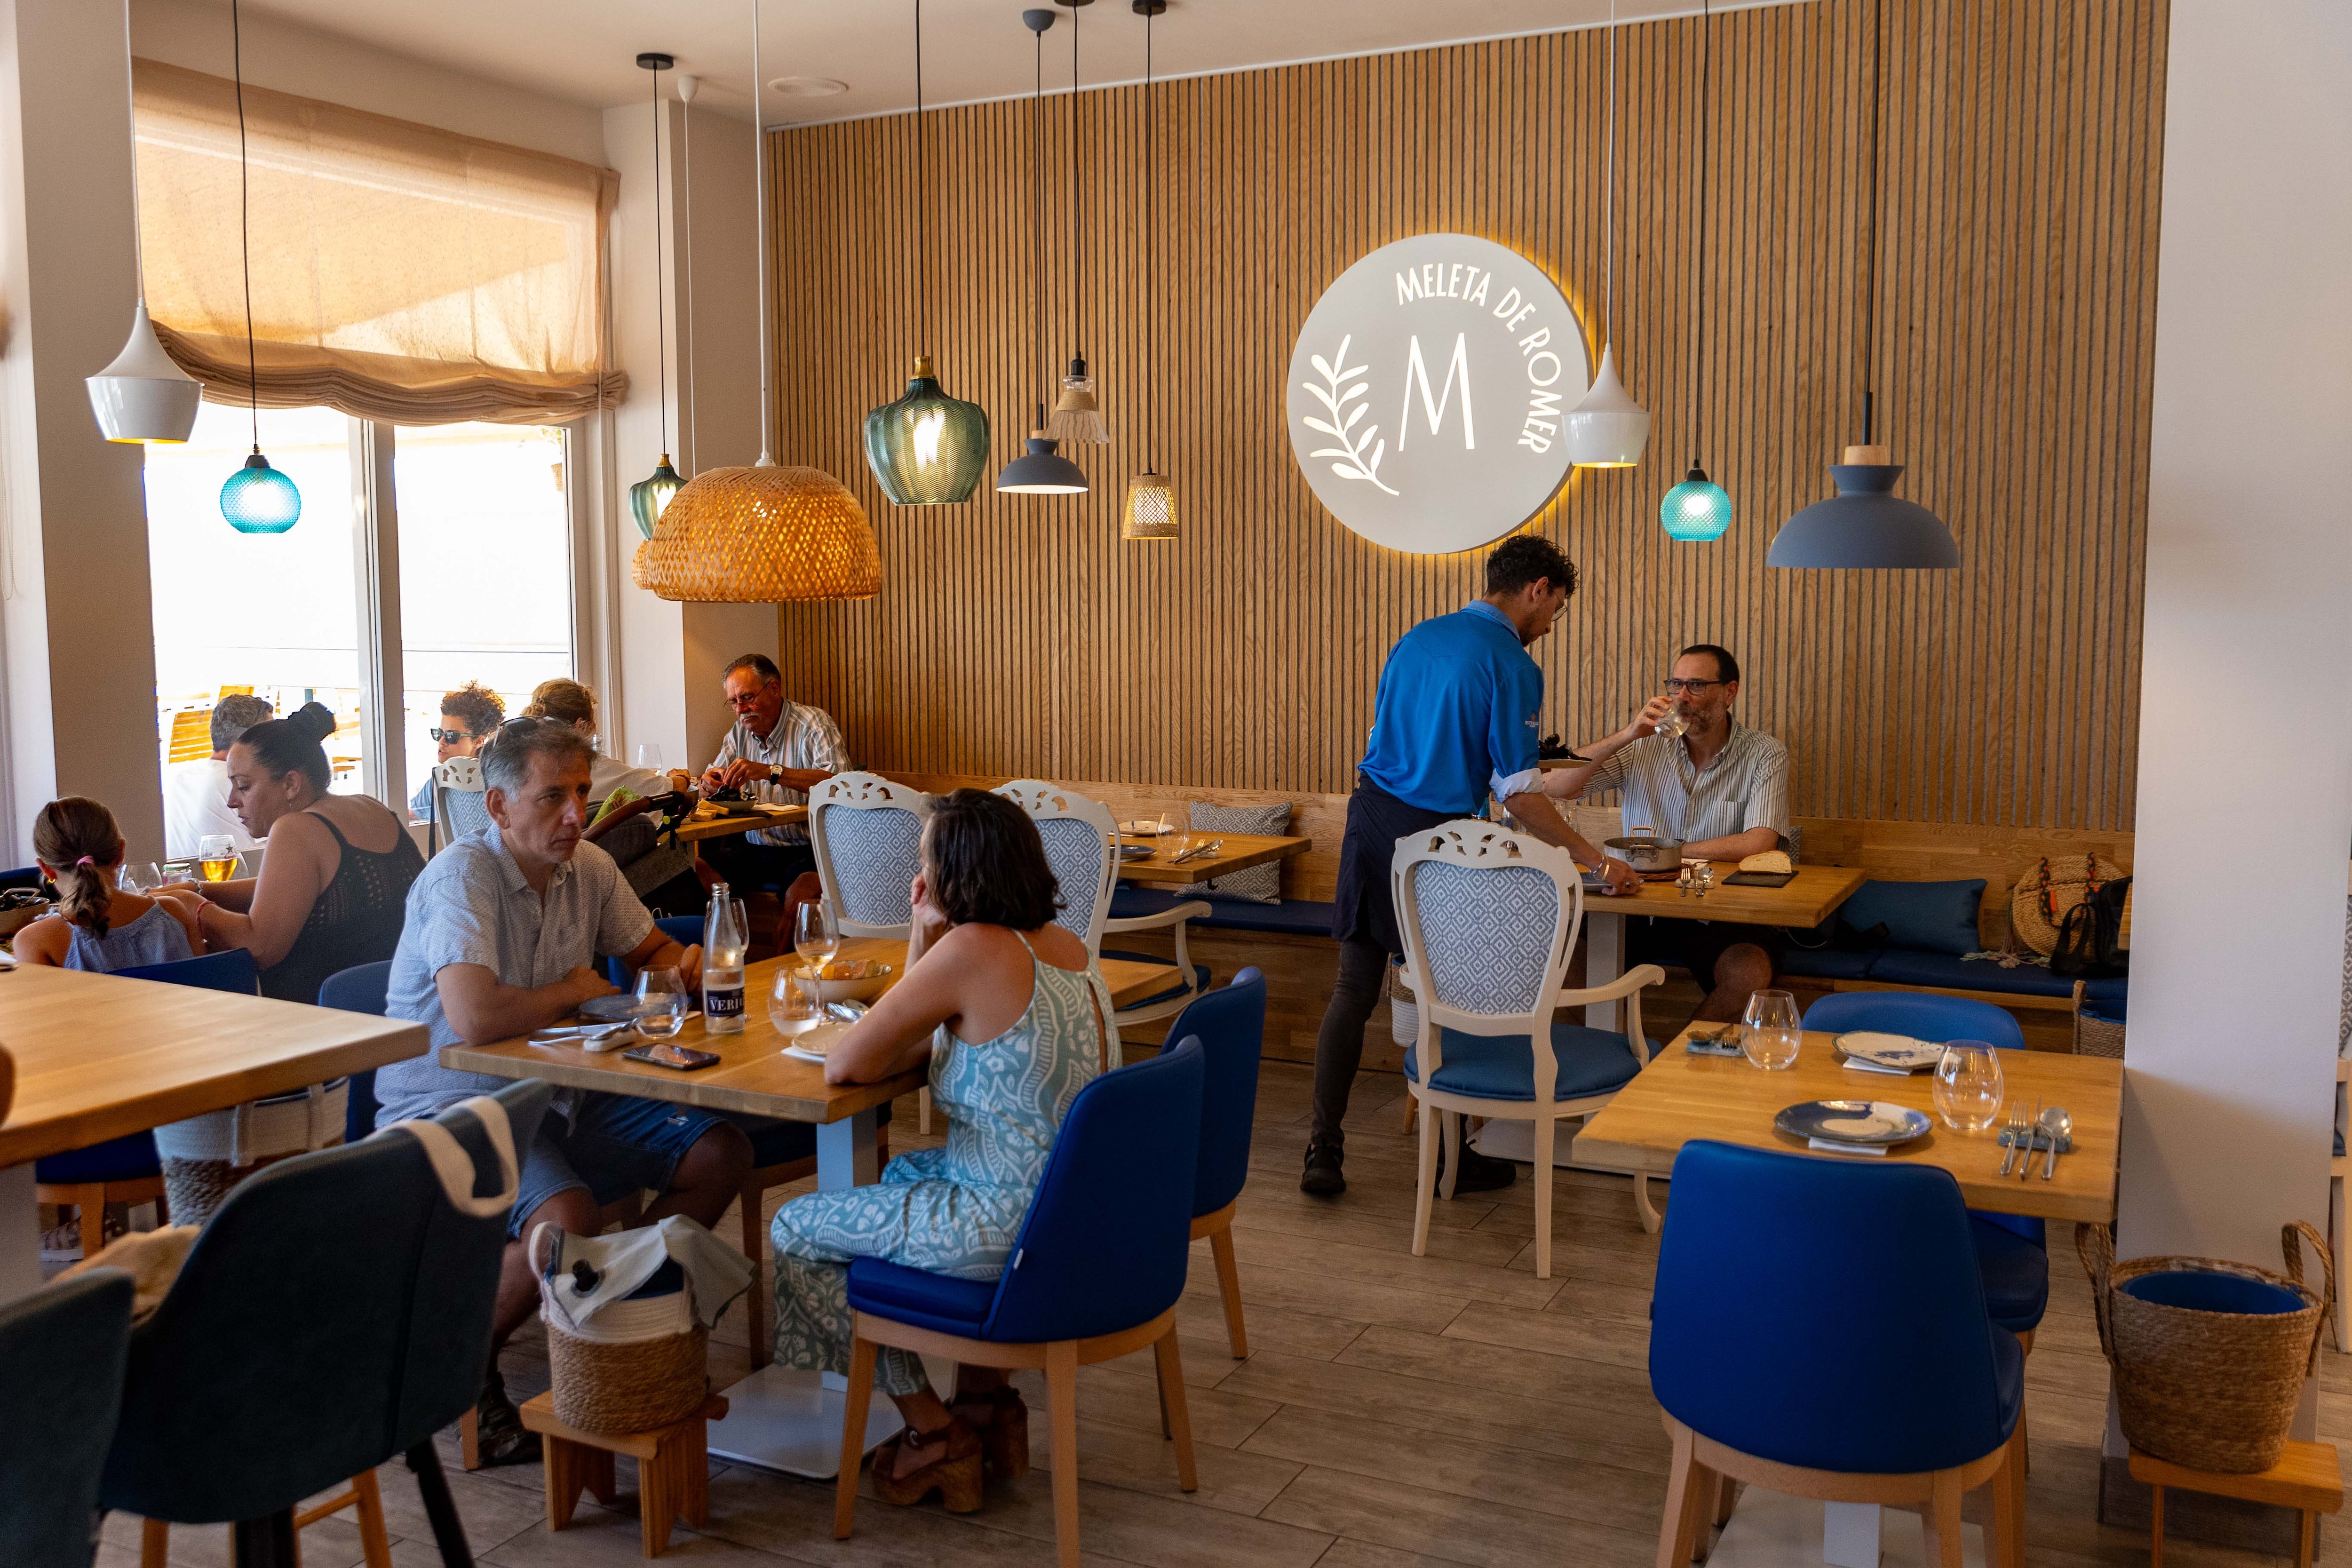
<point x="1865" y="524"/>
<point x="771" y="533"/>
<point x="925" y="447"/>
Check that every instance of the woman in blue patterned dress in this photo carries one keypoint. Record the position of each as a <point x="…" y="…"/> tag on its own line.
<point x="1015" y="1019"/>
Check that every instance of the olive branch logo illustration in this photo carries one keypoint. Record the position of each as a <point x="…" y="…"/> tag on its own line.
<point x="1335" y="395"/>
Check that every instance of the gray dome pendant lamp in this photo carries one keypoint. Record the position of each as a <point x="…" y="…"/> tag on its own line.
<point x="1041" y="470"/>
<point x="1866" y="526"/>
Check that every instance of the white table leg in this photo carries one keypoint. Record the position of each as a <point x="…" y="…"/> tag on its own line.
<point x="20" y="1238"/>
<point x="1849" y="1534"/>
<point x="780" y="1418"/>
<point x="1604" y="961"/>
<point x="1771" y="1529"/>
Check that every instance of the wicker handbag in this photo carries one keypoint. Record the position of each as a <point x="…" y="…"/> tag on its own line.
<point x="2038" y="902"/>
<point x="2213" y="1390"/>
<point x="2096" y="1034"/>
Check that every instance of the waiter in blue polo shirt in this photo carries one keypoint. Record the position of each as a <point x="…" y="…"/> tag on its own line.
<point x="1456" y="722"/>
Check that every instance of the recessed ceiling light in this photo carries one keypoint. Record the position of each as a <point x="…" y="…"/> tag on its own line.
<point x="808" y="87"/>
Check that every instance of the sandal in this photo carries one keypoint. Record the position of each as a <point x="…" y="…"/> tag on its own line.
<point x="955" y="1475"/>
<point x="1001" y="1419"/>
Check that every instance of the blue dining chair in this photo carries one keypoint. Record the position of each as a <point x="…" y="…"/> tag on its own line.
<point x="335" y="1313"/>
<point x="1817" y="1327"/>
<point x="61" y="1354"/>
<point x="1096" y="1273"/>
<point x="359" y="989"/>
<point x="1231" y="1026"/>
<point x="127" y="1170"/>
<point x="2013" y="1250"/>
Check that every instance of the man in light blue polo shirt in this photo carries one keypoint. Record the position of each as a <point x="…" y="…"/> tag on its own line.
<point x="1455" y="722"/>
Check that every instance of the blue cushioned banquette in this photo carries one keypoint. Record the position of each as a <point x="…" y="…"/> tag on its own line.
<point x="1298" y="917"/>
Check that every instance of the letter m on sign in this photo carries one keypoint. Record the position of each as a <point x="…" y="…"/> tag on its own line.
<point x="1434" y="401"/>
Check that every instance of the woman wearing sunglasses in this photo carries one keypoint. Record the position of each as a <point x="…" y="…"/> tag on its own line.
<point x="469" y="717"/>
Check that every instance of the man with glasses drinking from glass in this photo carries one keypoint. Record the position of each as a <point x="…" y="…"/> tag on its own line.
<point x="1718" y="786"/>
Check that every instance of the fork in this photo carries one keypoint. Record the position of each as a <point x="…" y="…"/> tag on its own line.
<point x="2018" y="1123"/>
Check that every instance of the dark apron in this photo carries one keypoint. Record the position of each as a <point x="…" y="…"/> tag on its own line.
<point x="1362" y="910"/>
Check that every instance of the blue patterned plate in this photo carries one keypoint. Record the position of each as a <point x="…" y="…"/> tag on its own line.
<point x="1878" y="1122"/>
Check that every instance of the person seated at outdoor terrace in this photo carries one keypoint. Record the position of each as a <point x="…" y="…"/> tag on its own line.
<point x="469" y="716"/>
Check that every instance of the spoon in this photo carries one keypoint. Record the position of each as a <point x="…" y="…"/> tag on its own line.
<point x="2060" y="1127"/>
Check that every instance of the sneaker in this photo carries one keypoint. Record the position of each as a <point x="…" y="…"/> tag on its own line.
<point x="1322" y="1177"/>
<point x="1479" y="1173"/>
<point x="500" y="1436"/>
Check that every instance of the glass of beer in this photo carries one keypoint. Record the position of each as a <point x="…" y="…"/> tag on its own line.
<point x="217" y="856"/>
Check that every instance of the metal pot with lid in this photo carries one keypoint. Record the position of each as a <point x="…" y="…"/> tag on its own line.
<point x="1644" y="850"/>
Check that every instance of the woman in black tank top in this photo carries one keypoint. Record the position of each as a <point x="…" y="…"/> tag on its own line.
<point x="323" y="902"/>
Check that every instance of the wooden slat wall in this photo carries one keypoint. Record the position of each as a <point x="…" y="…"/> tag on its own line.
<point x="2016" y="235"/>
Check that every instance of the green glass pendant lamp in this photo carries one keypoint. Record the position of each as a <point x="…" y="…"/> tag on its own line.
<point x="650" y="495"/>
<point x="926" y="449"/>
<point x="256" y="499"/>
<point x="1865" y="524"/>
<point x="1698" y="510"/>
<point x="1608" y="429"/>
<point x="1041" y="470"/>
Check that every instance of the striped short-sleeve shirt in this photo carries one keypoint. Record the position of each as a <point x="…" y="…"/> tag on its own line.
<point x="804" y="737"/>
<point x="1745" y="785"/>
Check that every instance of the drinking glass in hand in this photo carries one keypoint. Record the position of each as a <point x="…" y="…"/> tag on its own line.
<point x="1769" y="1030"/>
<point x="1673" y="725"/>
<point x="793" y="1005"/>
<point x="1969" y="1086"/>
<point x="661" y="1003"/>
<point x="217" y="856"/>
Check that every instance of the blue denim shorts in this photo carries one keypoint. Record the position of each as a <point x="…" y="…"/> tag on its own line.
<point x="613" y="1144"/>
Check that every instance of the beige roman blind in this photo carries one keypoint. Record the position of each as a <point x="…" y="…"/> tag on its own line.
<point x="399" y="272"/>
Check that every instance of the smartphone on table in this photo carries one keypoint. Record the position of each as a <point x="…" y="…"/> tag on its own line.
<point x="666" y="1053"/>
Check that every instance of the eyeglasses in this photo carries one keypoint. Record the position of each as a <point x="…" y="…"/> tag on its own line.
<point x="452" y="736"/>
<point x="1677" y="685"/>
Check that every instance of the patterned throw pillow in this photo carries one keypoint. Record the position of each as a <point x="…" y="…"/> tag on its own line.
<point x="1259" y="884"/>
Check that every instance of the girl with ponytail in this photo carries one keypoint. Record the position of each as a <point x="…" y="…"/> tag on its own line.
<point x="97" y="925"/>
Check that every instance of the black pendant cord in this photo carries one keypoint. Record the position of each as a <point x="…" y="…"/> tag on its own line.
<point x="922" y="198"/>
<point x="1706" y="121"/>
<point x="1870" y="298"/>
<point x="1151" y="239"/>
<point x="1037" y="228"/>
<point x="1608" y="197"/>
<point x="245" y="225"/>
<point x="1078" y="208"/>
<point x="661" y="328"/>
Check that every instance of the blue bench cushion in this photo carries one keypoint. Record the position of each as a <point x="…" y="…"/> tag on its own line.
<point x="1824" y="962"/>
<point x="920" y="1297"/>
<point x="1903" y="966"/>
<point x="783" y="1142"/>
<point x="1502" y="1067"/>
<point x="1300" y="917"/>
<point x="2016" y="1274"/>
<point x="126" y="1158"/>
<point x="1200" y="977"/>
<point x="1933" y="916"/>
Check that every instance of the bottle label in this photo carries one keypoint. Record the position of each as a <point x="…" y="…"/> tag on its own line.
<point x="722" y="1009"/>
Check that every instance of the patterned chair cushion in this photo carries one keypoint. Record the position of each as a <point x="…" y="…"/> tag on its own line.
<point x="1074" y="850"/>
<point x="875" y="854"/>
<point x="1259" y="884"/>
<point x="1502" y="1067"/>
<point x="1488" y="933"/>
<point x="470" y="812"/>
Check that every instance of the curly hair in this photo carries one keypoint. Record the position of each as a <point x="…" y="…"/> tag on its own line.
<point x="482" y="709"/>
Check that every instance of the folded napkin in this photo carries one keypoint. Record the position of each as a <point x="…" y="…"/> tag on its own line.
<point x="1830" y="1146"/>
<point x="1855" y="1063"/>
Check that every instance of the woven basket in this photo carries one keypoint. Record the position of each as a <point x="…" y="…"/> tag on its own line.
<point x="2095" y="1035"/>
<point x="1404" y="1011"/>
<point x="633" y="1386"/>
<point x="2212" y="1391"/>
<point x="2049" y="888"/>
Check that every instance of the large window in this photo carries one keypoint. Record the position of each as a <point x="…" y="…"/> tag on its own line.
<point x="478" y="524"/>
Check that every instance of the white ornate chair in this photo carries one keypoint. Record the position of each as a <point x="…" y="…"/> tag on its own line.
<point x="1489" y="917"/>
<point x="867" y="834"/>
<point x="1082" y="846"/>
<point x="460" y="803"/>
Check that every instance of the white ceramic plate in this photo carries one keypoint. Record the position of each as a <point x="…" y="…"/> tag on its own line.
<point x="1899" y="1051"/>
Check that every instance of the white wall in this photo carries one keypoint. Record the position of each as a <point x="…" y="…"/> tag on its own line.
<point x="2246" y="798"/>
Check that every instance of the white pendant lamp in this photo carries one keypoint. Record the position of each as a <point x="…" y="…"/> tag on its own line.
<point x="1608" y="429"/>
<point x="142" y="396"/>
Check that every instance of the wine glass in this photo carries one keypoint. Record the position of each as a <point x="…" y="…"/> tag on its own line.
<point x="1969" y="1086"/>
<point x="1769" y="1030"/>
<point x="661" y="1002"/>
<point x="138" y="876"/>
<point x="650" y="756"/>
<point x="217" y="856"/>
<point x="792" y="1008"/>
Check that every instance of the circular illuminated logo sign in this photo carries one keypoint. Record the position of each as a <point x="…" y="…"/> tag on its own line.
<point x="1427" y="393"/>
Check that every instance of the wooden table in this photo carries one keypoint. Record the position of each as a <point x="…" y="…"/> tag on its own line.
<point x="98" y="1056"/>
<point x="780" y="1419"/>
<point x="1807" y="900"/>
<point x="705" y="824"/>
<point x="1240" y="852"/>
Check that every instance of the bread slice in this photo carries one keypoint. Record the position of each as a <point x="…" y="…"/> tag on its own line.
<point x="1773" y="861"/>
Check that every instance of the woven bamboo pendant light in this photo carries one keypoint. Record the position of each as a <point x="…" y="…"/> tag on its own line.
<point x="1151" y="509"/>
<point x="1077" y="418"/>
<point x="770" y="534"/>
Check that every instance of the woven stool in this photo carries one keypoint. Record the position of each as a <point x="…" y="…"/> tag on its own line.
<point x="673" y="1467"/>
<point x="2306" y="1479"/>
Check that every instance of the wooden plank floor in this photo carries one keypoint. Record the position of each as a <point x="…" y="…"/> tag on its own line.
<point x="1396" y="1410"/>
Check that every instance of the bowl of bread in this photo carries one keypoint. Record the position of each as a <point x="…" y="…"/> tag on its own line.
<point x="847" y="979"/>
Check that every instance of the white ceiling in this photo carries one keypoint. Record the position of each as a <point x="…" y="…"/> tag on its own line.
<point x="585" y="50"/>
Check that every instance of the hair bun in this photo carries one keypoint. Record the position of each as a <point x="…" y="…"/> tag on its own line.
<point x="315" y="719"/>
